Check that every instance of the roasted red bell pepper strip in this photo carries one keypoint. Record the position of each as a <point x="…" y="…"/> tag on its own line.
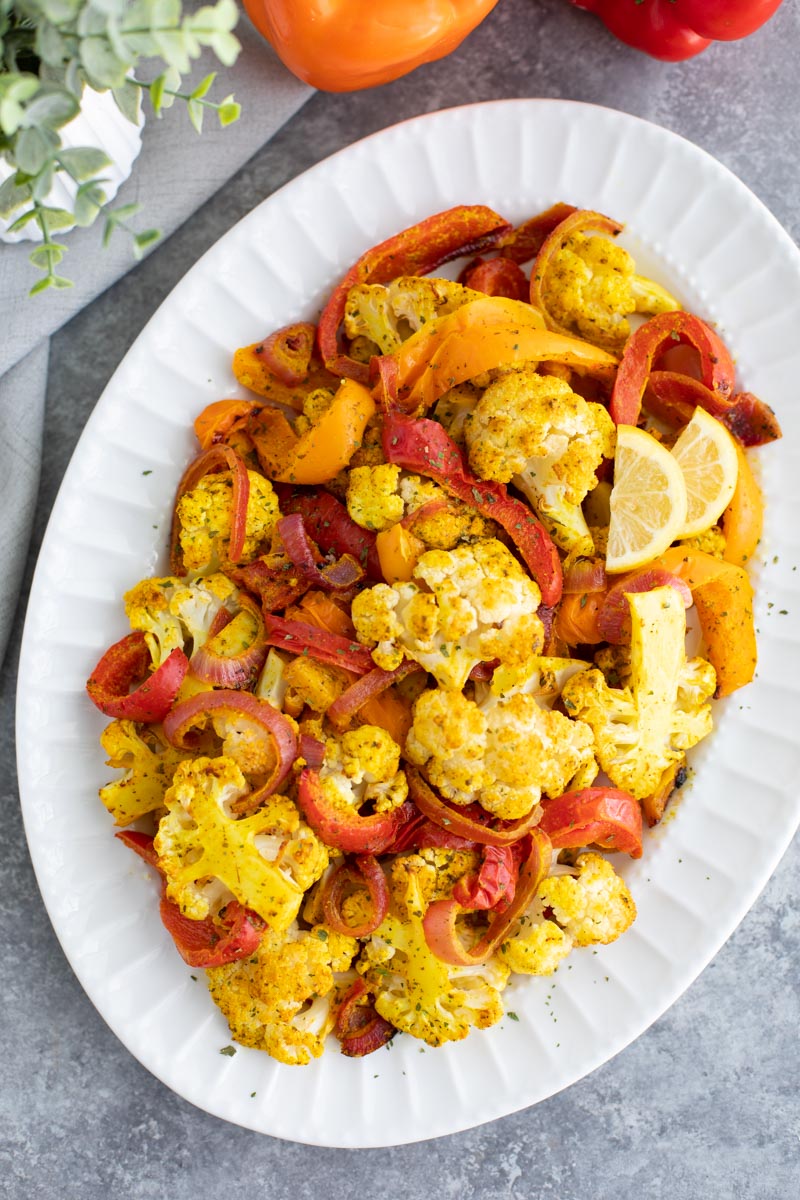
<point x="524" y="243"/>
<point x="331" y="577"/>
<point x="277" y="586"/>
<point x="345" y="830"/>
<point x="497" y="277"/>
<point x="495" y="883"/>
<point x="299" y="638"/>
<point x="127" y="661"/>
<point x="212" y="942"/>
<point x="603" y="815"/>
<point x="672" y="398"/>
<point x="358" y="1026"/>
<point x="423" y="446"/>
<point x="217" y="458"/>
<point x="439" y="922"/>
<point x="650" y="340"/>
<point x="332" y="528"/>
<point x="673" y="30"/>
<point x="465" y="229"/>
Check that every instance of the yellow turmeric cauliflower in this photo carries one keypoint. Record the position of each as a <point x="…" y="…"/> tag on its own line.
<point x="176" y="614"/>
<point x="664" y="708"/>
<point x="463" y="606"/>
<point x="504" y="753"/>
<point x="266" y="861"/>
<point x="364" y="764"/>
<point x="594" y="906"/>
<point x="534" y="430"/>
<point x="414" y="990"/>
<point x="538" y="947"/>
<point x="591" y="288"/>
<point x="204" y="517"/>
<point x="380" y="496"/>
<point x="149" y="763"/>
<point x="283" y="999"/>
<point x="386" y="315"/>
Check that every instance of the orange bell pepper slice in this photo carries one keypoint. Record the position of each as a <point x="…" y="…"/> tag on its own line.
<point x="347" y="45"/>
<point x="743" y="519"/>
<point x="463" y="355"/>
<point x="723" y="597"/>
<point x="325" y="450"/>
<point x="399" y="552"/>
<point x="253" y="371"/>
<point x="217" y="419"/>
<point x="576" y="619"/>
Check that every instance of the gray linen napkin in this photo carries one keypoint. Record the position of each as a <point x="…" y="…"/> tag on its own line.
<point x="174" y="174"/>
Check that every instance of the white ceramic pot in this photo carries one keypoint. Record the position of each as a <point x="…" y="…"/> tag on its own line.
<point x="101" y="125"/>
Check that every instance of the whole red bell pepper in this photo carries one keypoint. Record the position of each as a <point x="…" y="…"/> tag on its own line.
<point x="676" y="29"/>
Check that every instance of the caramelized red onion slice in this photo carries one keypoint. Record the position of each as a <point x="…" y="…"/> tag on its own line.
<point x="584" y="576"/>
<point x="218" y="458"/>
<point x="287" y="352"/>
<point x="613" y="619"/>
<point x="439" y="922"/>
<point x="460" y="823"/>
<point x="344" y="708"/>
<point x="358" y="1026"/>
<point x="335" y="577"/>
<point x="363" y="872"/>
<point x="312" y="750"/>
<point x="191" y="715"/>
<point x="235" y="670"/>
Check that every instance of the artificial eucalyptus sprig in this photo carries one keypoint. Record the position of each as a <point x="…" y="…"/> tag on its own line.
<point x="50" y="50"/>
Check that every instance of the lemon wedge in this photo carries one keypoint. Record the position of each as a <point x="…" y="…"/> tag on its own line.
<point x="648" y="501"/>
<point x="706" y="454"/>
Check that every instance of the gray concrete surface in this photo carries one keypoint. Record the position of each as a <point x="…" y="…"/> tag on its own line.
<point x="705" y="1104"/>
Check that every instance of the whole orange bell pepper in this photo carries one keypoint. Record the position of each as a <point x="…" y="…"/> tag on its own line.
<point x="345" y="45"/>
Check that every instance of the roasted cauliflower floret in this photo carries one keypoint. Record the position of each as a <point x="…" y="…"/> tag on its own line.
<point x="380" y="496"/>
<point x="386" y="316"/>
<point x="372" y="497"/>
<point x="595" y="906"/>
<point x="463" y="606"/>
<point x="364" y="764"/>
<point x="283" y="999"/>
<point x="175" y="614"/>
<point x="504" y="753"/>
<point x="538" y="947"/>
<point x="204" y="517"/>
<point x="415" y="990"/>
<point x="642" y="728"/>
<point x="315" y="405"/>
<point x="535" y="431"/>
<point x="149" y="763"/>
<point x="266" y="861"/>
<point x="591" y="288"/>
<point x="710" y="541"/>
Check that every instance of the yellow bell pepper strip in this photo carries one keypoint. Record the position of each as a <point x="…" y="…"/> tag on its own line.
<point x="743" y="519"/>
<point x="216" y="458"/>
<point x="576" y="222"/>
<point x="462" y="356"/>
<point x="649" y="341"/>
<point x="347" y="45"/>
<point x="424" y="447"/>
<point x="399" y="552"/>
<point x="465" y="229"/>
<point x="524" y="243"/>
<point x="723" y="597"/>
<point x="127" y="662"/>
<point x="216" y="420"/>
<point x="439" y="923"/>
<point x="672" y="398"/>
<point x="321" y="453"/>
<point x="399" y="372"/>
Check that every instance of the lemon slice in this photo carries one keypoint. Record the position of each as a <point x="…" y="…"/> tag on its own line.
<point x="648" y="500"/>
<point x="706" y="454"/>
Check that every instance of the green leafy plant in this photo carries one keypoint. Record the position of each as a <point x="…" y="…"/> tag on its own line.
<point x="50" y="51"/>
